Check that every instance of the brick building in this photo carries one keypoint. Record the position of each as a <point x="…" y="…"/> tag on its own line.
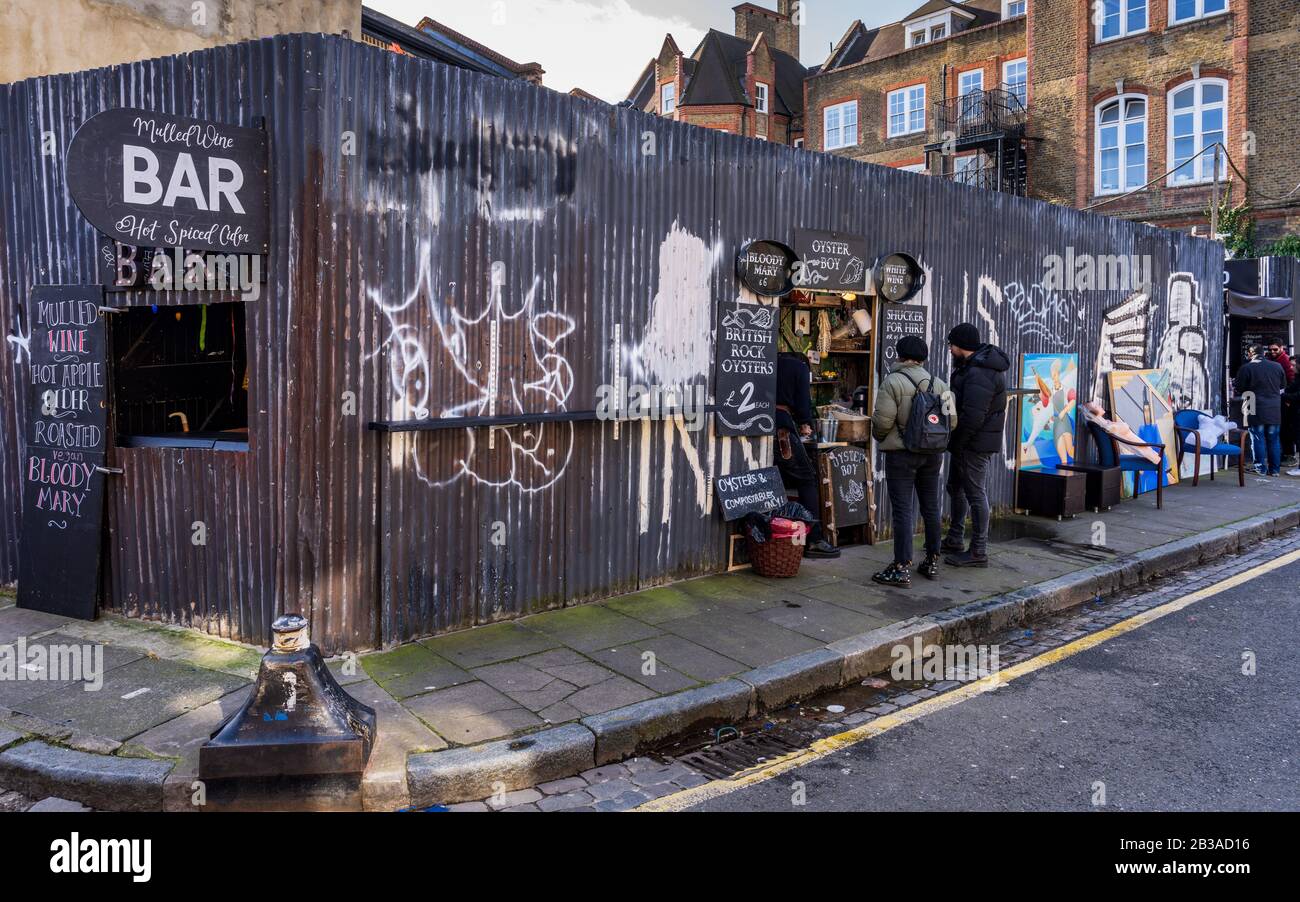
<point x="935" y="92"/>
<point x="1113" y="103"/>
<point x="749" y="83"/>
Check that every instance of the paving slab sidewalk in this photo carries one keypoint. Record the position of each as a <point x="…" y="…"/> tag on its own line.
<point x="551" y="695"/>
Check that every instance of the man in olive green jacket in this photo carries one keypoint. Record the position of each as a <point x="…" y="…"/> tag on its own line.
<point x="909" y="473"/>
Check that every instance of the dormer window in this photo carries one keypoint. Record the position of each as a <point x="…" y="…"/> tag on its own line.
<point x="667" y="98"/>
<point x="1013" y="8"/>
<point x="928" y="29"/>
<point x="760" y="97"/>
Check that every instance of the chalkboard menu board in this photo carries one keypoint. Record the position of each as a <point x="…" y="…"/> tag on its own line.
<point x="766" y="268"/>
<point x="746" y="369"/>
<point x="830" y="261"/>
<point x="896" y="321"/>
<point x="755" y="492"/>
<point x="848" y="485"/>
<point x="63" y="486"/>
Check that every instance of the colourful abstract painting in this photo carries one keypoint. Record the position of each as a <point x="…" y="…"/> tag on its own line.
<point x="1140" y="398"/>
<point x="1049" y="416"/>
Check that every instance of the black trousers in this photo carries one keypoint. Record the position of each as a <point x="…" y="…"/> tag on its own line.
<point x="1290" y="427"/>
<point x="967" y="491"/>
<point x="912" y="478"/>
<point x="798" y="472"/>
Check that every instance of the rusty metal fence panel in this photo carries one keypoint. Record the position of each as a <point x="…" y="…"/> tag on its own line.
<point x="447" y="244"/>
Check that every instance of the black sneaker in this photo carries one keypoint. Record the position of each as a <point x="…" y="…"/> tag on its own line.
<point x="821" y="549"/>
<point x="951" y="547"/>
<point x="929" y="567"/>
<point x="895" y="575"/>
<point x="967" y="559"/>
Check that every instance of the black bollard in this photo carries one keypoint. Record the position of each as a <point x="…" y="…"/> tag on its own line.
<point x="300" y="743"/>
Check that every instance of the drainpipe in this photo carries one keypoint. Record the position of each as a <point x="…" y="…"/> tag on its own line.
<point x="943" y="105"/>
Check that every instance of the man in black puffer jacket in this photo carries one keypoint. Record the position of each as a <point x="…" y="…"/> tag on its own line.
<point x="979" y="383"/>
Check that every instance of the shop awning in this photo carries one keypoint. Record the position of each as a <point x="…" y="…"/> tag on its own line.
<point x="1260" y="307"/>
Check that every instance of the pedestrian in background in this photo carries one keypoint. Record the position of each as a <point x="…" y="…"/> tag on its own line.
<point x="979" y="387"/>
<point x="1264" y="380"/>
<point x="1290" y="411"/>
<point x="910" y="476"/>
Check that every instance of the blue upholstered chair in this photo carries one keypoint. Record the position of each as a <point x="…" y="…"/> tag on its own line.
<point x="1109" y="454"/>
<point x="1188" y="423"/>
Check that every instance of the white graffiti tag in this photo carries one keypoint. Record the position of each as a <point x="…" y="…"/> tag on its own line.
<point x="1123" y="344"/>
<point x="23" y="346"/>
<point x="505" y="361"/>
<point x="1184" y="349"/>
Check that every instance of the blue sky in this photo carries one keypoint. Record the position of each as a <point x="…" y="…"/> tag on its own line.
<point x="602" y="45"/>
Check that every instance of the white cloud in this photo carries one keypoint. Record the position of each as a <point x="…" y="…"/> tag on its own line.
<point x="600" y="47"/>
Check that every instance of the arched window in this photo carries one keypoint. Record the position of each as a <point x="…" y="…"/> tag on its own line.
<point x="1198" y="118"/>
<point x="1121" y="144"/>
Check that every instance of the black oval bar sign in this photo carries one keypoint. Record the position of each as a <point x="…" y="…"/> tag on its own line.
<point x="155" y="180"/>
<point x="766" y="268"/>
<point x="898" y="277"/>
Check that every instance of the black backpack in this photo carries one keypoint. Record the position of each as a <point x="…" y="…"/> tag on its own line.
<point x="927" y="430"/>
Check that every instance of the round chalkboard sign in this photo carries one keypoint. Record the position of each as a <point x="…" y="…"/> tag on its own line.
<point x="766" y="267"/>
<point x="898" y="277"/>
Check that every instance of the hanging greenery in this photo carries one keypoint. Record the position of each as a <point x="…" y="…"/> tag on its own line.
<point x="1237" y="226"/>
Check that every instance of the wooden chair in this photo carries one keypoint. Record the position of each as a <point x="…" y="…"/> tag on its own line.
<point x="1187" y="423"/>
<point x="1110" y="455"/>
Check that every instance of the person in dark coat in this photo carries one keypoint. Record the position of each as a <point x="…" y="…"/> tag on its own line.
<point x="794" y="418"/>
<point x="979" y="386"/>
<point x="1277" y="353"/>
<point x="1260" y="384"/>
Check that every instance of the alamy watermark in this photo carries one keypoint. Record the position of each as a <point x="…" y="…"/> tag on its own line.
<point x="919" y="662"/>
<point x="626" y="400"/>
<point x="1097" y="272"/>
<point x="177" y="270"/>
<point x="38" y="662"/>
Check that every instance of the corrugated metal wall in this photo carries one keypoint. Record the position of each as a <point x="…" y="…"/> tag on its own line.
<point x="425" y="215"/>
<point x="290" y="523"/>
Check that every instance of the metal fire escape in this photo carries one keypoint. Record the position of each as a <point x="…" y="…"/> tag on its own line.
<point x="980" y="140"/>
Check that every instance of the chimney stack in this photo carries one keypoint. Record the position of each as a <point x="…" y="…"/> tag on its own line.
<point x="780" y="25"/>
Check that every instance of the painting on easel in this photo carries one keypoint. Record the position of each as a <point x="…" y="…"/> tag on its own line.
<point x="1049" y="415"/>
<point x="1140" y="398"/>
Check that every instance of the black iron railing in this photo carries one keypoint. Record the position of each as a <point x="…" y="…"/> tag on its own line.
<point x="1007" y="173"/>
<point x="979" y="175"/>
<point x="979" y="114"/>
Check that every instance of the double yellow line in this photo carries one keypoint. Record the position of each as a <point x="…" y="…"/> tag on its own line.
<point x="689" y="798"/>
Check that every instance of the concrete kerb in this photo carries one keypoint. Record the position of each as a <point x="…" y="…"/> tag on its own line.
<point x="628" y="731"/>
<point x="624" y="732"/>
<point x="466" y="774"/>
<point x="105" y="782"/>
<point x="479" y="771"/>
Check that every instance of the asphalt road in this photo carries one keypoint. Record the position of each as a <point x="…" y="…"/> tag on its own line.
<point x="1163" y="716"/>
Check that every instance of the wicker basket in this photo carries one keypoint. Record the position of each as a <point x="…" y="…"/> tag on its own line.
<point x="775" y="559"/>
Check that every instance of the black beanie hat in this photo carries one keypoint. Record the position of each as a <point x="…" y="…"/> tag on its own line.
<point x="910" y="347"/>
<point x="966" y="337"/>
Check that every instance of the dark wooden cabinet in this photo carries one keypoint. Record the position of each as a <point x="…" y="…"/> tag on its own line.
<point x="1105" y="485"/>
<point x="1052" y="492"/>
